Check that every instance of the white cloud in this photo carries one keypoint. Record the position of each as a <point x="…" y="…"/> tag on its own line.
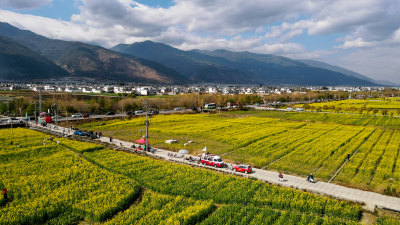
<point x="23" y="4"/>
<point x="355" y="43"/>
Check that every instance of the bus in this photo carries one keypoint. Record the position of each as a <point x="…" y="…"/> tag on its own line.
<point x="210" y="106"/>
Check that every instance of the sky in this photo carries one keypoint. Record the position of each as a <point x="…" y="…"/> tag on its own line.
<point x="360" y="35"/>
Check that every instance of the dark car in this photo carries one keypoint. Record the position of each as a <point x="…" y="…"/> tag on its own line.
<point x="153" y="112"/>
<point x="129" y="113"/>
<point x="110" y="113"/>
<point x="86" y="115"/>
<point x="91" y="135"/>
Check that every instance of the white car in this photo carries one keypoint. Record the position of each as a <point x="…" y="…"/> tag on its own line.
<point x="14" y="121"/>
<point x="138" y="112"/>
<point x="56" y="117"/>
<point x="76" y="115"/>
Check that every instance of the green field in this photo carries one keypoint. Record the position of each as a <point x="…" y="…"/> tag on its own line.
<point x="297" y="143"/>
<point x="74" y="182"/>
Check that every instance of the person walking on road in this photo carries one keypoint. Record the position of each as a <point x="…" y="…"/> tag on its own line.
<point x="280" y="176"/>
<point x="111" y="139"/>
<point x="100" y="134"/>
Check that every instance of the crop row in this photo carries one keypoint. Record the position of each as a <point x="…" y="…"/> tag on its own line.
<point x="45" y="181"/>
<point x="375" y="165"/>
<point x="307" y="157"/>
<point x="237" y="214"/>
<point x="79" y="146"/>
<point x="267" y="150"/>
<point x="338" y="118"/>
<point x="163" y="209"/>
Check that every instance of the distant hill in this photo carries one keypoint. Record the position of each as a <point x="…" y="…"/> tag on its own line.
<point x="195" y="66"/>
<point x="90" y="61"/>
<point x="20" y="63"/>
<point x="339" y="69"/>
<point x="222" y="66"/>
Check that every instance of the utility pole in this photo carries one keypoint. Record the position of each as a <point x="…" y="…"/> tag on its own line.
<point x="147" y="125"/>
<point x="56" y="117"/>
<point x="40" y="100"/>
<point x="66" y="116"/>
<point x="35" y="114"/>
<point x="147" y="132"/>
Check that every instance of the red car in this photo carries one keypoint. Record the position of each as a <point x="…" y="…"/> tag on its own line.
<point x="86" y="115"/>
<point x="243" y="168"/>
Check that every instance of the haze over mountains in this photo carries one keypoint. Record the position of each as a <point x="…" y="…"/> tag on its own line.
<point x="28" y="56"/>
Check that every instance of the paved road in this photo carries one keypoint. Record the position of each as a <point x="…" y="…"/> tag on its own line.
<point x="371" y="199"/>
<point x="115" y="116"/>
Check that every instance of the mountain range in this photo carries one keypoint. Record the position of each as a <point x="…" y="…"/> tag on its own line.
<point x="80" y="60"/>
<point x="28" y="56"/>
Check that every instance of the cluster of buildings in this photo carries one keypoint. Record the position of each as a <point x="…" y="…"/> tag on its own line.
<point x="172" y="89"/>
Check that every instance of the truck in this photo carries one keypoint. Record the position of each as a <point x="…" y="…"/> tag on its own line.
<point x="212" y="160"/>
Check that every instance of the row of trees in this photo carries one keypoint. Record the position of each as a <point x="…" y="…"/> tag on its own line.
<point x="352" y="109"/>
<point x="62" y="104"/>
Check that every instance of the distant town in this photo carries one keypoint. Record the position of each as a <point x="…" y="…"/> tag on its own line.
<point x="150" y="90"/>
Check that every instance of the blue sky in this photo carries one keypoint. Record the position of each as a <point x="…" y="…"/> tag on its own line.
<point x="361" y="35"/>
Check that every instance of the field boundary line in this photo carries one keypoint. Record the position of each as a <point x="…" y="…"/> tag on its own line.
<point x="369" y="152"/>
<point x="256" y="140"/>
<point x="396" y="159"/>
<point x="342" y="145"/>
<point x="293" y="149"/>
<point x="378" y="161"/>
<point x="352" y="154"/>
<point x="337" y="172"/>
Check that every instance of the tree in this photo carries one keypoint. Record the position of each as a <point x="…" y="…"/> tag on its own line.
<point x="3" y="107"/>
<point x="70" y="109"/>
<point x="30" y="110"/>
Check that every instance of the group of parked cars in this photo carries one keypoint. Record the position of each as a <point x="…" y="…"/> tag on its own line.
<point x="89" y="134"/>
<point x="139" y="112"/>
<point x="76" y="115"/>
